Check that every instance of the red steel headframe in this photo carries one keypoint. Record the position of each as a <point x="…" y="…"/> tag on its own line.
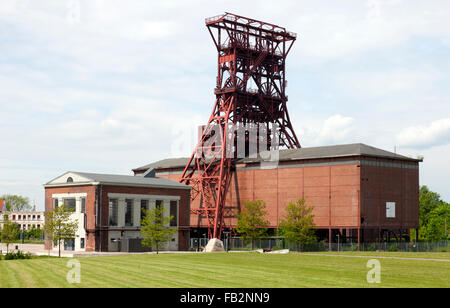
<point x="250" y="90"/>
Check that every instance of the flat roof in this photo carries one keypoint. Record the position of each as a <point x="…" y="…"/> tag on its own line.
<point x="333" y="151"/>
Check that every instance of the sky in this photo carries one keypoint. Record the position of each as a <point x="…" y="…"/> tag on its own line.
<point x="107" y="85"/>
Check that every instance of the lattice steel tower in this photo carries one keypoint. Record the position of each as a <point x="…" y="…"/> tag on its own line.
<point x="250" y="90"/>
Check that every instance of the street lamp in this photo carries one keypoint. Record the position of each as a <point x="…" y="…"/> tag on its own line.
<point x="197" y="235"/>
<point x="226" y="241"/>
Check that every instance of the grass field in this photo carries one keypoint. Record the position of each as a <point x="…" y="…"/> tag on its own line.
<point x="230" y="270"/>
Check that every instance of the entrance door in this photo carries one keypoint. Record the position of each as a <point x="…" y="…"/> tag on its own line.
<point x="69" y="244"/>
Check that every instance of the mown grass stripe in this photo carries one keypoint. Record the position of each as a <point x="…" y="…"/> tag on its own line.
<point x="222" y="270"/>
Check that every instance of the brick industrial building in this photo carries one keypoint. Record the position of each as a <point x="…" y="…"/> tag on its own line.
<point x="108" y="208"/>
<point x="360" y="192"/>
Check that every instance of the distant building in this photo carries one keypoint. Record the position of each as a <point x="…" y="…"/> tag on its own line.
<point x="109" y="208"/>
<point x="26" y="220"/>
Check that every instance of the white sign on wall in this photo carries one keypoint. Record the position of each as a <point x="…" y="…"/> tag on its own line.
<point x="390" y="209"/>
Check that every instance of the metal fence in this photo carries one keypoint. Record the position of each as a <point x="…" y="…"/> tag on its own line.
<point x="275" y="243"/>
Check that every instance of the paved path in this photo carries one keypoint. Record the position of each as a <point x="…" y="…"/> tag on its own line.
<point x="31" y="248"/>
<point x="374" y="257"/>
<point x="39" y="250"/>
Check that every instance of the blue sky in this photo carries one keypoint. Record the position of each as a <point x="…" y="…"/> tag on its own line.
<point x="106" y="86"/>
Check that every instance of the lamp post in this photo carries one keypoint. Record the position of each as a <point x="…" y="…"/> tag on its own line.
<point x="198" y="239"/>
<point x="226" y="241"/>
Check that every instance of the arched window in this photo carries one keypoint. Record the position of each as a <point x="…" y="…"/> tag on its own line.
<point x="69" y="180"/>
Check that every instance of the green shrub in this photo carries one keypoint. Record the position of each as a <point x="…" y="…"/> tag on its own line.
<point x="19" y="255"/>
<point x="371" y="247"/>
<point x="393" y="248"/>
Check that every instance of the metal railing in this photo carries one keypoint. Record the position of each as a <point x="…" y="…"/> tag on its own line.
<point x="275" y="243"/>
<point x="252" y="47"/>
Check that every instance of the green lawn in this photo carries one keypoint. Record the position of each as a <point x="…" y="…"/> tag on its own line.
<point x="228" y="270"/>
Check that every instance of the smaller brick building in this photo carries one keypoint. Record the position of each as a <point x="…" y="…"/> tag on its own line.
<point x="109" y="208"/>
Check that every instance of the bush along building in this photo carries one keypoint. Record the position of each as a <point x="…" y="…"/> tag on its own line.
<point x="359" y="193"/>
<point x="108" y="209"/>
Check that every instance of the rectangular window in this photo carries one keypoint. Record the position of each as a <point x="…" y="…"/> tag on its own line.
<point x="174" y="213"/>
<point x="34" y="217"/>
<point x="83" y="205"/>
<point x="144" y="207"/>
<point x="113" y="212"/>
<point x="160" y="205"/>
<point x="129" y="212"/>
<point x="14" y="217"/>
<point x="69" y="244"/>
<point x="70" y="203"/>
<point x="39" y="217"/>
<point x="19" y="217"/>
<point x="82" y="243"/>
<point x="55" y="203"/>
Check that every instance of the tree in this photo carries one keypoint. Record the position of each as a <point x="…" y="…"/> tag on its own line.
<point x="435" y="229"/>
<point x="298" y="223"/>
<point x="251" y="222"/>
<point x="16" y="203"/>
<point x="433" y="212"/>
<point x="59" y="225"/>
<point x="155" y="228"/>
<point x="33" y="233"/>
<point x="10" y="232"/>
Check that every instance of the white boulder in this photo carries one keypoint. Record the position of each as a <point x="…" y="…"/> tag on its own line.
<point x="214" y="245"/>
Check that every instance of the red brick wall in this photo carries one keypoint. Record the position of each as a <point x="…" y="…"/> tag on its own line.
<point x="332" y="190"/>
<point x="335" y="192"/>
<point x="382" y="184"/>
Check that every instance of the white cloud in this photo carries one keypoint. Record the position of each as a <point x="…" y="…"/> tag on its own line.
<point x="336" y="129"/>
<point x="435" y="134"/>
<point x="107" y="85"/>
<point x="334" y="33"/>
<point x="376" y="84"/>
